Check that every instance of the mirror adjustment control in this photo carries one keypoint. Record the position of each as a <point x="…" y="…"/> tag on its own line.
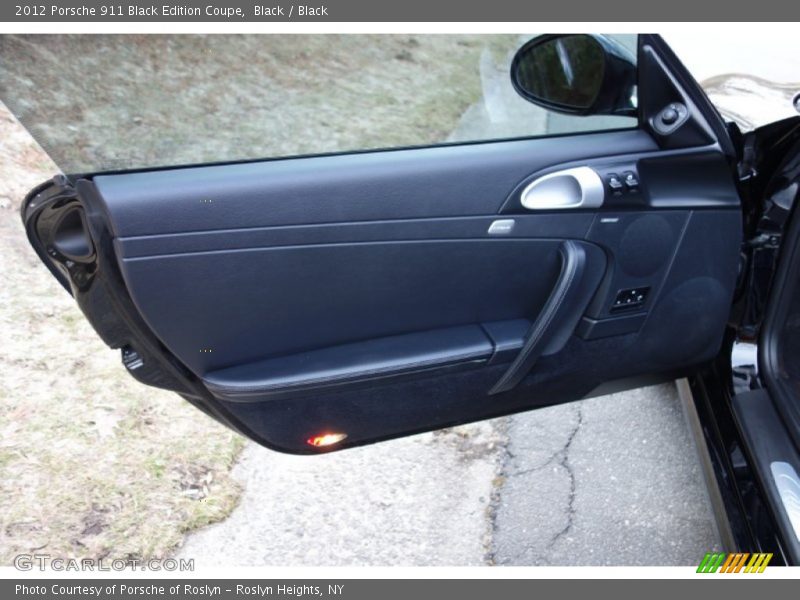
<point x="670" y="118"/>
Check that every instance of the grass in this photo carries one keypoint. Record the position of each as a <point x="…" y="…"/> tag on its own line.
<point x="92" y="463"/>
<point x="105" y="102"/>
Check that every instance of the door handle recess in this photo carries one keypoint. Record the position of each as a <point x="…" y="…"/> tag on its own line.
<point x="582" y="269"/>
<point x="579" y="187"/>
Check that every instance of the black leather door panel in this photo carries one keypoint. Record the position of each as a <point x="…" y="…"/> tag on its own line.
<point x="374" y="294"/>
<point x="221" y="309"/>
<point x="306" y="373"/>
<point x="370" y="295"/>
<point x="459" y="180"/>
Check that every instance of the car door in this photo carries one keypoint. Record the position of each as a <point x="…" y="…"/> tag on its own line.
<point x="322" y="302"/>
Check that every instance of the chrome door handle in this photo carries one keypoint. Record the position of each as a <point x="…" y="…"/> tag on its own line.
<point x="579" y="187"/>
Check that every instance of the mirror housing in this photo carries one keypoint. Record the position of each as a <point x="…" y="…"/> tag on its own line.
<point x="577" y="74"/>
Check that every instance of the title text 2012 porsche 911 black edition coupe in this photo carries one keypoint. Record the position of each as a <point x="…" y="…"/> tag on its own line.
<point x="323" y="302"/>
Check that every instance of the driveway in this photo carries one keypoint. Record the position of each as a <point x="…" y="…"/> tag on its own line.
<point x="610" y="480"/>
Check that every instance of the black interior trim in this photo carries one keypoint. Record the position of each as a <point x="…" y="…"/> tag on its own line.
<point x="438" y="182"/>
<point x="706" y="116"/>
<point x="783" y="298"/>
<point x="672" y="179"/>
<point x="354" y="363"/>
<point x="551" y="225"/>
<point x="257" y="304"/>
<point x="278" y="283"/>
<point x="574" y="288"/>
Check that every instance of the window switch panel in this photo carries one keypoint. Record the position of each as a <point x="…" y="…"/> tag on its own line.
<point x="630" y="298"/>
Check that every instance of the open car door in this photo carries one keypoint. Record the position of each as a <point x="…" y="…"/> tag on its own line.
<point x="324" y="302"/>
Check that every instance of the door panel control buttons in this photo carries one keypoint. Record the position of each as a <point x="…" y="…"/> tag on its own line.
<point x="669" y="115"/>
<point x="622" y="182"/>
<point x="630" y="298"/>
<point x="670" y="118"/>
<point x="631" y="181"/>
<point x="615" y="183"/>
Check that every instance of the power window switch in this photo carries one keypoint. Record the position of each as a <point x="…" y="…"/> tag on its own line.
<point x="631" y="181"/>
<point x="615" y="183"/>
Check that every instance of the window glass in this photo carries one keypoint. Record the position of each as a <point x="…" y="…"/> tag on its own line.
<point x="99" y="102"/>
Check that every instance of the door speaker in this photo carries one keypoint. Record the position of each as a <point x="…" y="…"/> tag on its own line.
<point x="686" y="325"/>
<point x="646" y="245"/>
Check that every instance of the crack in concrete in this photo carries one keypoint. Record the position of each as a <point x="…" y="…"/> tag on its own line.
<point x="507" y="457"/>
<point x="538" y="467"/>
<point x="564" y="462"/>
<point x="557" y="460"/>
<point x="558" y="453"/>
<point x="504" y="457"/>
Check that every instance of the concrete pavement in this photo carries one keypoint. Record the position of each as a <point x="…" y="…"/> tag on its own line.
<point x="610" y="480"/>
<point x="607" y="481"/>
<point x="423" y="500"/>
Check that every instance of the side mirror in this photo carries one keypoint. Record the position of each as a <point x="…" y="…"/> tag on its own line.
<point x="576" y="74"/>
